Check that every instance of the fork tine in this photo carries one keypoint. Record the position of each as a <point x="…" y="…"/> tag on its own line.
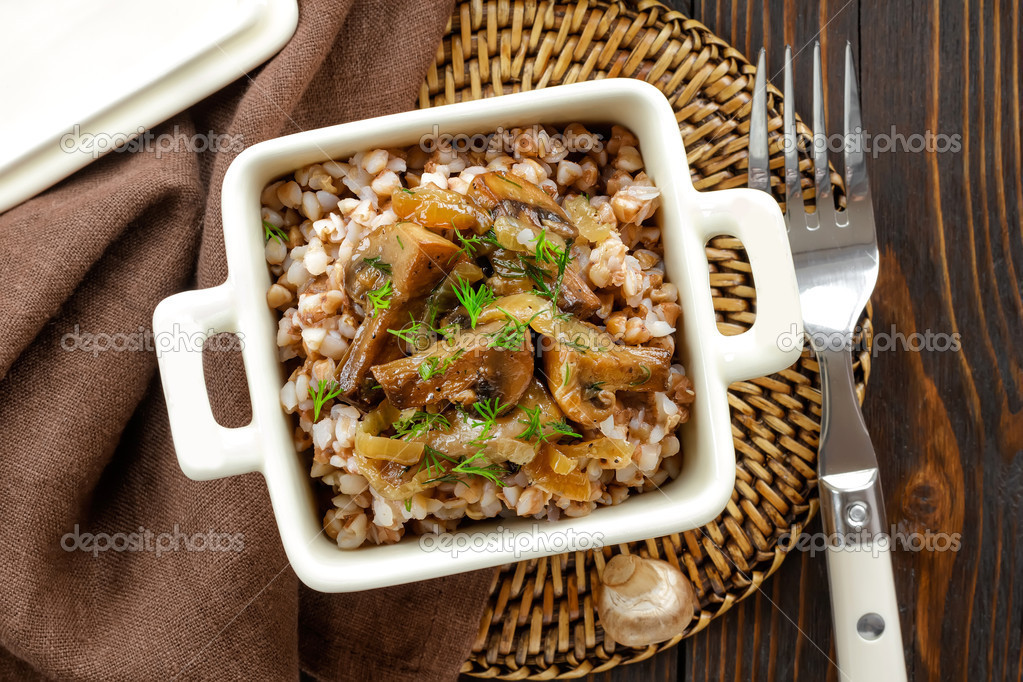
<point x="794" y="211"/>
<point x="759" y="173"/>
<point x="856" y="185"/>
<point x="821" y="172"/>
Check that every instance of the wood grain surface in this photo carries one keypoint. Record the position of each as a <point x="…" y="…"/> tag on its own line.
<point x="946" y="425"/>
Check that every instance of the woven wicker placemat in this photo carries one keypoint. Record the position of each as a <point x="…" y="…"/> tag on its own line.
<point x="540" y="622"/>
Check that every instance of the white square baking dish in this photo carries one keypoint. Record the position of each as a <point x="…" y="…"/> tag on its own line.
<point x="688" y="219"/>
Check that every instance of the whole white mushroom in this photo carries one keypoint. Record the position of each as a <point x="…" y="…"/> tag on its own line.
<point x="644" y="601"/>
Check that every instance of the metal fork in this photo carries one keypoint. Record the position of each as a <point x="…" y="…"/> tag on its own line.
<point x="836" y="259"/>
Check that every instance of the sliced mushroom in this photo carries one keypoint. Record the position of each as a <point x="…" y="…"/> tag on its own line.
<point x="463" y="370"/>
<point x="433" y="207"/>
<point x="644" y="601"/>
<point x="513" y="196"/>
<point x="584" y="382"/>
<point x="503" y="443"/>
<point x="575" y="296"/>
<point x="372" y="345"/>
<point x="410" y="256"/>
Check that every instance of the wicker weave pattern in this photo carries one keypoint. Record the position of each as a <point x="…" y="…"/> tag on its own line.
<point x="540" y="622"/>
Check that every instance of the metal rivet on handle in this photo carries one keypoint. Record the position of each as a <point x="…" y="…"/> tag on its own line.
<point x="870" y="626"/>
<point x="857" y="514"/>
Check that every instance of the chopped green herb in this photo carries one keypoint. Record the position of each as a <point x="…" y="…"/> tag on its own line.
<point x="532" y="421"/>
<point x="380" y="298"/>
<point x="510" y="182"/>
<point x="430" y="368"/>
<point x="409" y="334"/>
<point x="544" y="250"/>
<point x="471" y="243"/>
<point x="406" y="190"/>
<point x="513" y="334"/>
<point x="487" y="411"/>
<point x="575" y="344"/>
<point x="491" y="472"/>
<point x="324" y="391"/>
<point x="398" y="237"/>
<point x="378" y="264"/>
<point x="432" y="462"/>
<point x="568" y="374"/>
<point x="646" y="376"/>
<point x="434" y="366"/>
<point x="271" y="231"/>
<point x="560" y="427"/>
<point x="418" y="424"/>
<point x="537" y="430"/>
<point x="473" y="300"/>
<point x="544" y="283"/>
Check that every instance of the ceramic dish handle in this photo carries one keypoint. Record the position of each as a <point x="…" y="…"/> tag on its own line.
<point x="775" y="339"/>
<point x="181" y="324"/>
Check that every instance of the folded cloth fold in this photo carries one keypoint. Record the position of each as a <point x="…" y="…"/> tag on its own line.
<point x="113" y="565"/>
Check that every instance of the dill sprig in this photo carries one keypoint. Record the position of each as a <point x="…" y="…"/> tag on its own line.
<point x="271" y="231"/>
<point x="646" y="376"/>
<point x="532" y="421"/>
<point x="473" y="300"/>
<point x="324" y="391"/>
<point x="377" y="263"/>
<point x="434" y="366"/>
<point x="513" y="334"/>
<point x="473" y="243"/>
<point x="419" y="423"/>
<point x="535" y="428"/>
<point x="486" y="416"/>
<point x="560" y="427"/>
<point x="491" y="472"/>
<point x="380" y="298"/>
<point x="544" y="283"/>
<point x="509" y="181"/>
<point x="544" y="250"/>
<point x="411" y="333"/>
<point x="432" y="461"/>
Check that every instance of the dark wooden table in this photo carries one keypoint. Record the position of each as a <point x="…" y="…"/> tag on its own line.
<point x="947" y="426"/>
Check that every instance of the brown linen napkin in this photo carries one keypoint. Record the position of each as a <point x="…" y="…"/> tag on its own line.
<point x="203" y="589"/>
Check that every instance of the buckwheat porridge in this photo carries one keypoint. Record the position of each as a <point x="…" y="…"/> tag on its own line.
<point x="474" y="334"/>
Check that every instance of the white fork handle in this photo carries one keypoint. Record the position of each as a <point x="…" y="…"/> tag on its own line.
<point x="865" y="613"/>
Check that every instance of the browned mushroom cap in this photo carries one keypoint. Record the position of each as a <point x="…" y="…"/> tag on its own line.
<point x="463" y="371"/>
<point x="584" y="382"/>
<point x="644" y="601"/>
<point x="462" y="436"/>
<point x="372" y="345"/>
<point x="575" y="296"/>
<point x="513" y="196"/>
<point x="410" y="256"/>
